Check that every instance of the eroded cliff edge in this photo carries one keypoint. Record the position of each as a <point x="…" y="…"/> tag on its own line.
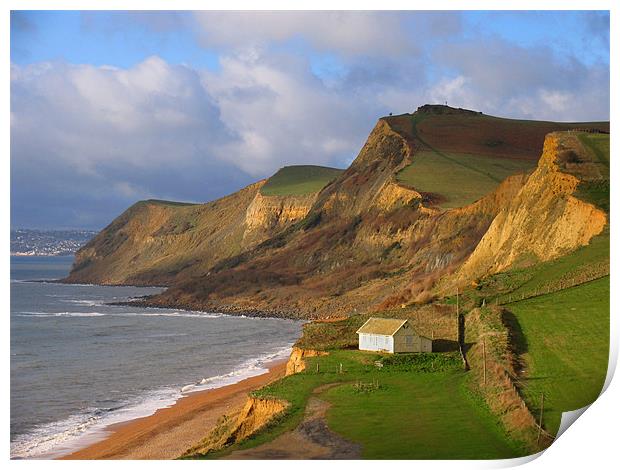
<point x="363" y="242"/>
<point x="545" y="219"/>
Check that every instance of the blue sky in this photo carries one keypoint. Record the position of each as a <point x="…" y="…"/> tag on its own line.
<point x="111" y="107"/>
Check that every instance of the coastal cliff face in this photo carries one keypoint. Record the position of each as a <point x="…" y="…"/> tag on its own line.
<point x="269" y="214"/>
<point x="255" y="414"/>
<point x="160" y="242"/>
<point x="364" y="185"/>
<point x="544" y="220"/>
<point x="296" y="361"/>
<point x="365" y="241"/>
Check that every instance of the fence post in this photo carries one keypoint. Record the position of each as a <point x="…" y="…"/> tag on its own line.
<point x="542" y="409"/>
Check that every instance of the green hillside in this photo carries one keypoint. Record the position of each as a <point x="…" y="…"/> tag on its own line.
<point x="598" y="144"/>
<point x="463" y="155"/>
<point x="565" y="339"/>
<point x="558" y="311"/>
<point x="458" y="179"/>
<point x="299" y="180"/>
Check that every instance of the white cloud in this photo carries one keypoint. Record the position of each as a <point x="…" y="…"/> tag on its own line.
<point x="92" y="116"/>
<point x="283" y="113"/>
<point x="170" y="131"/>
<point x="347" y="32"/>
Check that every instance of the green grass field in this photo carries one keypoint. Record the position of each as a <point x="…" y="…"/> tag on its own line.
<point x="423" y="399"/>
<point x="417" y="416"/>
<point x="565" y="336"/>
<point x="596" y="191"/>
<point x="459" y="178"/>
<point x="598" y="144"/>
<point x="299" y="180"/>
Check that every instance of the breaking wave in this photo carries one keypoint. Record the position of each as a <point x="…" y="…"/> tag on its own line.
<point x="53" y="440"/>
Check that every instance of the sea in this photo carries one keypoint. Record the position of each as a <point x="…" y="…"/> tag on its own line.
<point x="79" y="364"/>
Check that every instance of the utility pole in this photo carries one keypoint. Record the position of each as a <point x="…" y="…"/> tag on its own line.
<point x="484" y="361"/>
<point x="458" y="330"/>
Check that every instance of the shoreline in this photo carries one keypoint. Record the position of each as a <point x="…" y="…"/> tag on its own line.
<point x="145" y="302"/>
<point x="168" y="432"/>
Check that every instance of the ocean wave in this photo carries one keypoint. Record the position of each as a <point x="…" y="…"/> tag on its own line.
<point x="88" y="303"/>
<point x="250" y="368"/>
<point x="60" y="314"/>
<point x="181" y="314"/>
<point x="63" y="437"/>
<point x="120" y="314"/>
<point x="53" y="440"/>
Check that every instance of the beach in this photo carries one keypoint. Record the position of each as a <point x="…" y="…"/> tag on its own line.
<point x="169" y="432"/>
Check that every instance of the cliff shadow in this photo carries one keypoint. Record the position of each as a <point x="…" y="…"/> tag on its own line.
<point x="445" y="345"/>
<point x="516" y="340"/>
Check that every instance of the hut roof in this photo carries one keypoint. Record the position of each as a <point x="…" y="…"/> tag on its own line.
<point x="382" y="326"/>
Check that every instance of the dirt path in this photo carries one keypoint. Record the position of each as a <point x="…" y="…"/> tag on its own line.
<point x="312" y="439"/>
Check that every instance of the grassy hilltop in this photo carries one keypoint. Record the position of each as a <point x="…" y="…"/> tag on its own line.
<point x="299" y="180"/>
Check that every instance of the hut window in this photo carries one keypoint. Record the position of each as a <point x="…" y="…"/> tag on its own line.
<point x="409" y="340"/>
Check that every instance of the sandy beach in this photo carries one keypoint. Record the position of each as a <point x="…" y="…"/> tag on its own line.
<point x="168" y="432"/>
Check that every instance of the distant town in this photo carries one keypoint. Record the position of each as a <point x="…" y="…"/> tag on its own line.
<point x="28" y="242"/>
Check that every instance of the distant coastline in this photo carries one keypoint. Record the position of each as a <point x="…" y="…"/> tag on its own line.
<point x="35" y="242"/>
<point x="30" y="253"/>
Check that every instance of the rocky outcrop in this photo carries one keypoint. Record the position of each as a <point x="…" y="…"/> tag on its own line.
<point x="296" y="361"/>
<point x="158" y="242"/>
<point x="255" y="415"/>
<point x="543" y="221"/>
<point x="393" y="195"/>
<point x="369" y="182"/>
<point x="267" y="214"/>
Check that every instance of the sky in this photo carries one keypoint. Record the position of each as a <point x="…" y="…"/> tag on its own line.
<point x="112" y="107"/>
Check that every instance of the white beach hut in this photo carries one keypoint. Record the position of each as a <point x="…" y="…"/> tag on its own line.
<point x="391" y="335"/>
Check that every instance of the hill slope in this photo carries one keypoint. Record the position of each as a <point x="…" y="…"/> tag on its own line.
<point x="364" y="241"/>
<point x="159" y="242"/>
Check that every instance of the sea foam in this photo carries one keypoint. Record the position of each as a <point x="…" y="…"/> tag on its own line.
<point x="63" y="437"/>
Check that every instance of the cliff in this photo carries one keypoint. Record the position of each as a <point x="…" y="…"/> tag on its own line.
<point x="267" y="215"/>
<point x="364" y="238"/>
<point x="545" y="219"/>
<point x="161" y="242"/>
<point x="256" y="414"/>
